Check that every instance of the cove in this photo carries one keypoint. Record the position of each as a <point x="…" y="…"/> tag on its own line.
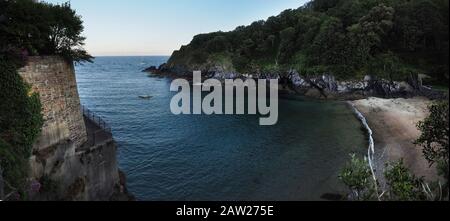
<point x="217" y="157"/>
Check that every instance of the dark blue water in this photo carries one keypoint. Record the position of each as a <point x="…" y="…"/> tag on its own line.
<point x="168" y="157"/>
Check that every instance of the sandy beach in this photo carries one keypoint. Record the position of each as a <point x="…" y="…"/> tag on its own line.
<point x="393" y="122"/>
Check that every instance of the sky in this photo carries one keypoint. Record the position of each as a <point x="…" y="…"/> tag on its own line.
<point x="158" y="27"/>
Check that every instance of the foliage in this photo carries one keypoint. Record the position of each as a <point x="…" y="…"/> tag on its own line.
<point x="36" y="28"/>
<point x="27" y="28"/>
<point x="344" y="37"/>
<point x="402" y="185"/>
<point x="20" y="124"/>
<point x="357" y="176"/>
<point x="434" y="138"/>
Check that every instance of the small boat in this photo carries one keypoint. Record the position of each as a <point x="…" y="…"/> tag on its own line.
<point x="145" y="96"/>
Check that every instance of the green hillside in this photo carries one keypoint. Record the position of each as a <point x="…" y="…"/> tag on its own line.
<point x="348" y="38"/>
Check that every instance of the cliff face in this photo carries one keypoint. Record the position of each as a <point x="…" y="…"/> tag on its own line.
<point x="74" y="158"/>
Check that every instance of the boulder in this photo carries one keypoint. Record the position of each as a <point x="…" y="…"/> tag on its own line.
<point x="297" y="80"/>
<point x="330" y="82"/>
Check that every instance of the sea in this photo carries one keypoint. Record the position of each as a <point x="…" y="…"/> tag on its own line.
<point x="169" y="157"/>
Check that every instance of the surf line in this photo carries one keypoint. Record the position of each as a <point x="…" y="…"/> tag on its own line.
<point x="371" y="149"/>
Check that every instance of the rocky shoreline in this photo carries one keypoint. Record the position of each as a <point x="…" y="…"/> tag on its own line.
<point x="320" y="86"/>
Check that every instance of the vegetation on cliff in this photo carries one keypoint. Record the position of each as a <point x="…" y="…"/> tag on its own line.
<point x="20" y="124"/>
<point x="28" y="28"/>
<point x="348" y="38"/>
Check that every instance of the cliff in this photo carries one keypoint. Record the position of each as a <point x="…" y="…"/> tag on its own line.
<point x="75" y="156"/>
<point x="344" y="41"/>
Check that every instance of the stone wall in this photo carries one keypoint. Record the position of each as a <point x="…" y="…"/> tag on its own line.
<point x="66" y="162"/>
<point x="54" y="79"/>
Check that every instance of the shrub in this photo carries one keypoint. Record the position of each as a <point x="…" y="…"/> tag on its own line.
<point x="357" y="176"/>
<point x="402" y="185"/>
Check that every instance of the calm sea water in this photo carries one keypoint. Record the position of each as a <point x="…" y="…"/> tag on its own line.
<point x="168" y="157"/>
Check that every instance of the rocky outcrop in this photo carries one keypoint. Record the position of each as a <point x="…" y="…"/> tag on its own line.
<point x="323" y="86"/>
<point x="329" y="87"/>
<point x="150" y="69"/>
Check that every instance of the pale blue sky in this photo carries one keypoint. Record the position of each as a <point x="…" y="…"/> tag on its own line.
<point x="157" y="27"/>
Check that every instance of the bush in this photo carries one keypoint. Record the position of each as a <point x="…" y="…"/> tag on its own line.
<point x="357" y="176"/>
<point x="402" y="185"/>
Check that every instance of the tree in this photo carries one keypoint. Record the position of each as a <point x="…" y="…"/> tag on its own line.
<point x="217" y="44"/>
<point x="37" y="28"/>
<point x="345" y="37"/>
<point x="367" y="35"/>
<point x="387" y="66"/>
<point x="329" y="47"/>
<point x="287" y="44"/>
<point x="434" y="138"/>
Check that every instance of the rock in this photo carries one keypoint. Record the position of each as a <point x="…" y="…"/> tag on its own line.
<point x="320" y="86"/>
<point x="175" y="69"/>
<point x="150" y="69"/>
<point x="297" y="80"/>
<point x="220" y="72"/>
<point x="331" y="88"/>
<point x="121" y="192"/>
<point x="325" y="83"/>
<point x="368" y="78"/>
<point x="329" y="81"/>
